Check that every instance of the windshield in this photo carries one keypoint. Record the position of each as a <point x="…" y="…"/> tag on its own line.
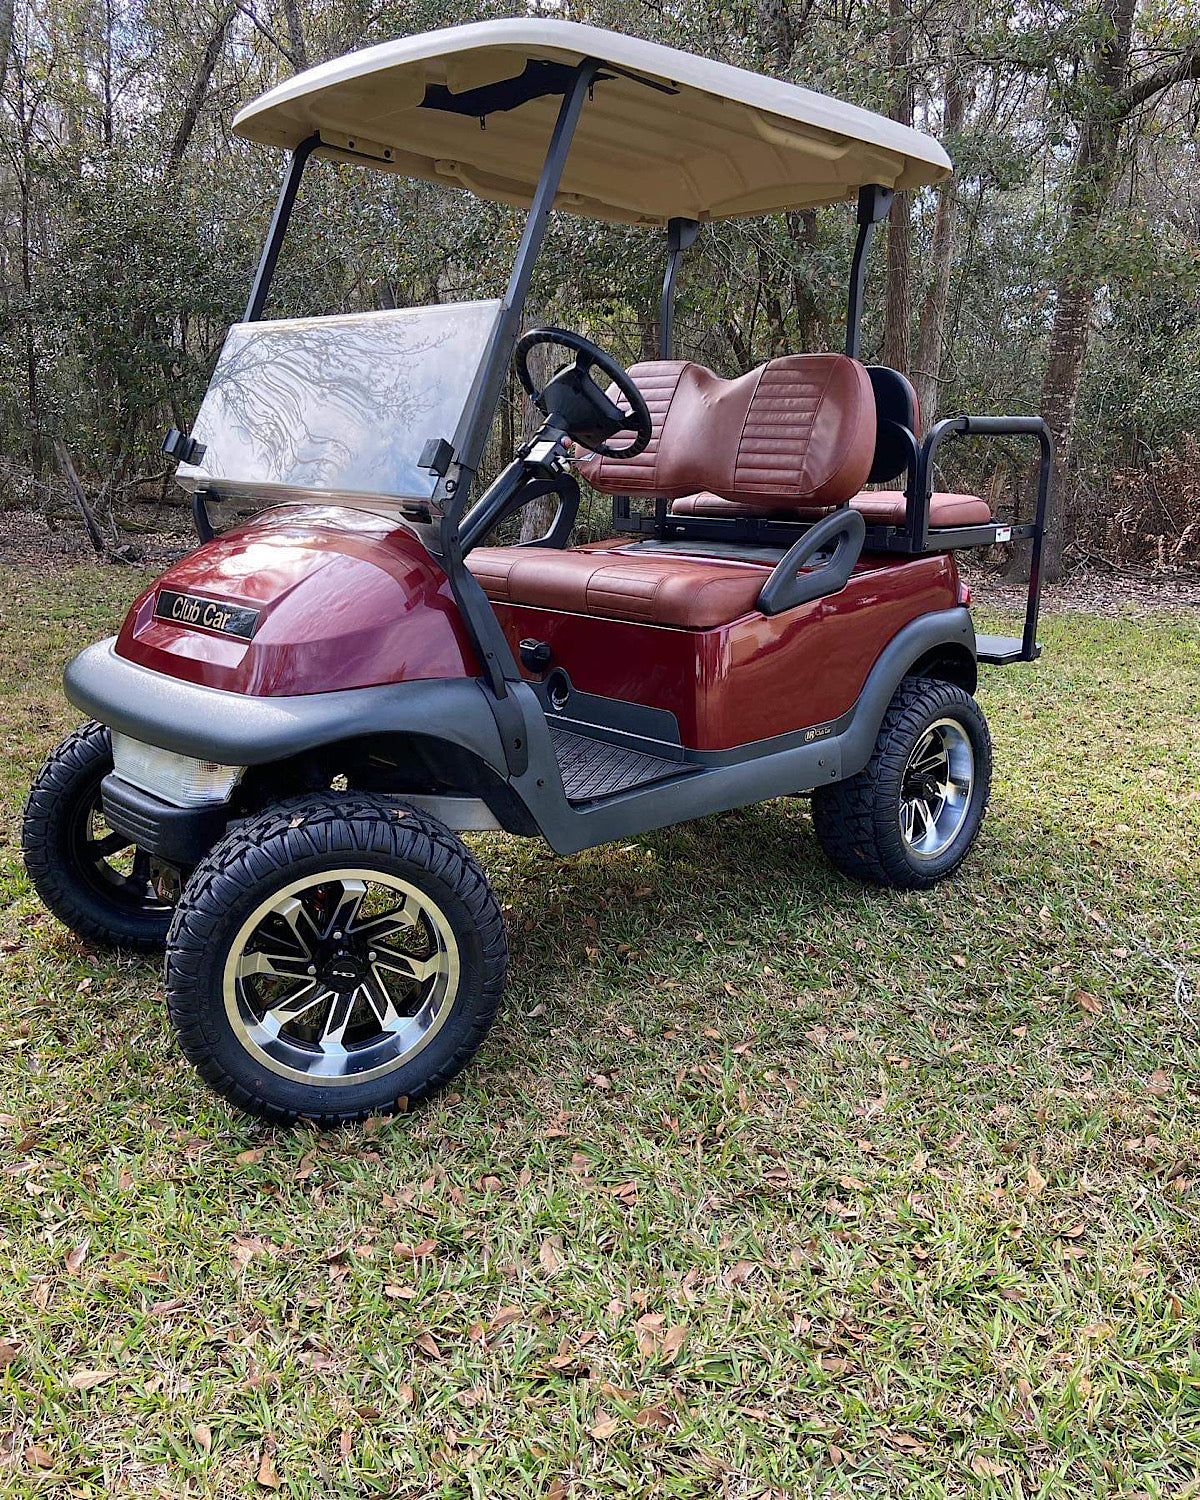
<point x="338" y="407"/>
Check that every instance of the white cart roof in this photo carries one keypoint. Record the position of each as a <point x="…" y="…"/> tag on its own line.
<point x="720" y="143"/>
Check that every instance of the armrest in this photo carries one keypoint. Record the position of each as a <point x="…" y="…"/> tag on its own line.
<point x="787" y="587"/>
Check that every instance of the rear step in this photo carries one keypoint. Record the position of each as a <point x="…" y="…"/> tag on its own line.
<point x="999" y="650"/>
<point x="594" y="768"/>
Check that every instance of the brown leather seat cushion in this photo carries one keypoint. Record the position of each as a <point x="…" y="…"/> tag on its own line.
<point x="796" y="431"/>
<point x="886" y="508"/>
<point x="878" y="507"/>
<point x="616" y="584"/>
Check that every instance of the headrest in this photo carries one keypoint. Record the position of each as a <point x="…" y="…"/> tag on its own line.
<point x="796" y="431"/>
<point x="895" y="402"/>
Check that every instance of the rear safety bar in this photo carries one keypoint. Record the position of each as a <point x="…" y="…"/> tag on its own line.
<point x="921" y="488"/>
<point x="787" y="587"/>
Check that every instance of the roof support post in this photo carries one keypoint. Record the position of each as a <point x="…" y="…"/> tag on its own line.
<point x="279" y="223"/>
<point x="496" y="658"/>
<point x="681" y="234"/>
<point x="873" y="205"/>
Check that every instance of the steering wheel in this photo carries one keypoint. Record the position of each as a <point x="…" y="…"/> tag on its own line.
<point x="575" y="401"/>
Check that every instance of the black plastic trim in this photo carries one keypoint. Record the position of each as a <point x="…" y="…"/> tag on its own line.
<point x="179" y="836"/>
<point x="238" y="729"/>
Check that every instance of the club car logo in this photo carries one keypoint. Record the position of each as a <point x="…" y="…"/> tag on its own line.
<point x="819" y="733"/>
<point x="206" y="614"/>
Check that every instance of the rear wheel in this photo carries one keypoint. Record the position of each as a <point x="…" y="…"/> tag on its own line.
<point x="332" y="956"/>
<point x="910" y="816"/>
<point x="93" y="879"/>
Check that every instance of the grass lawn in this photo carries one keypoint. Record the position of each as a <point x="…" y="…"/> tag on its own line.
<point x="766" y="1184"/>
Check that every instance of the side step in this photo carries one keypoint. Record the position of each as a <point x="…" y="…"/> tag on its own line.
<point x="999" y="650"/>
<point x="594" y="768"/>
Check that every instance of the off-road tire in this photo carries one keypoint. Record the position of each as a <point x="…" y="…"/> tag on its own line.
<point x="308" y="834"/>
<point x="67" y="785"/>
<point x="857" y="821"/>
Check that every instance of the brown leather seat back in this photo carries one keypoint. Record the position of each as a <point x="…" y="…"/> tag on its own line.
<point x="797" y="431"/>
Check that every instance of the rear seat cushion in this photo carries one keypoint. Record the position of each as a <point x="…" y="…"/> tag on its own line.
<point x="879" y="507"/>
<point x="886" y="508"/>
<point x="649" y="590"/>
<point x="796" y="431"/>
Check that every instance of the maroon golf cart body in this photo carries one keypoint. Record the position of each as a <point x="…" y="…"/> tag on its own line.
<point x="763" y="618"/>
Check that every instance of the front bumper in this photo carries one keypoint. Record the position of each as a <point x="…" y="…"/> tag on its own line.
<point x="179" y="836"/>
<point x="240" y="729"/>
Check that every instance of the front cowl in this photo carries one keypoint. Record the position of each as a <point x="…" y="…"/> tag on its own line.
<point x="302" y="599"/>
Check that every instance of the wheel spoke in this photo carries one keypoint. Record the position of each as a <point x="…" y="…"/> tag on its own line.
<point x="301" y="926"/>
<point x="402" y="918"/>
<point x="271" y="966"/>
<point x="346" y="911"/>
<point x="111" y="843"/>
<point x="334" y="1029"/>
<point x="293" y="1006"/>
<point x="419" y="969"/>
<point x="380" y="1001"/>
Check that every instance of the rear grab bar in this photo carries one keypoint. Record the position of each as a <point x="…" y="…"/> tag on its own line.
<point x="787" y="587"/>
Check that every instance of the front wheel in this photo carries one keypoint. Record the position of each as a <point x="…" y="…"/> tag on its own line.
<point x="92" y="878"/>
<point x="333" y="956"/>
<point x="910" y="816"/>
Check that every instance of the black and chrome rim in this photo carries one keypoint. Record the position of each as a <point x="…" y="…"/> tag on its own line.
<point x="935" y="794"/>
<point x="110" y="863"/>
<point x="341" y="977"/>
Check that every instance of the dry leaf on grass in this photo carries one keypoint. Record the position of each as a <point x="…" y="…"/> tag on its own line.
<point x="268" y="1474"/>
<point x="1034" y="1181"/>
<point x="1088" y="1002"/>
<point x="38" y="1457"/>
<point x="550" y="1256"/>
<point x="604" y="1428"/>
<point x="907" y="1443"/>
<point x="987" y="1468"/>
<point x="84" y="1380"/>
<point x="8" y="1352"/>
<point x="428" y="1344"/>
<point x="653" y="1416"/>
<point x="203" y="1436"/>
<point x="75" y="1258"/>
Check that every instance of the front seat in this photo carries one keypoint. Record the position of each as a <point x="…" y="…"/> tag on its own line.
<point x="795" y="433"/>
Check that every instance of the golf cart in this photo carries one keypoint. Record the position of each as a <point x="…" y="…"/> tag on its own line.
<point x="297" y="719"/>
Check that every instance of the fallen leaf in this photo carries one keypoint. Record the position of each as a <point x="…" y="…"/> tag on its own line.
<point x="84" y="1380"/>
<point x="1034" y="1181"/>
<point x="672" y="1343"/>
<point x="268" y="1474"/>
<point x="550" y="1254"/>
<point x="604" y="1428"/>
<point x="38" y="1457"/>
<point x="8" y="1352"/>
<point x="203" y="1436"/>
<point x="653" y="1416"/>
<point x="987" y="1468"/>
<point x="75" y="1258"/>
<point x="248" y="1158"/>
<point x="503" y="1318"/>
<point x="428" y="1344"/>
<point x="908" y="1443"/>
<point x="1088" y="1002"/>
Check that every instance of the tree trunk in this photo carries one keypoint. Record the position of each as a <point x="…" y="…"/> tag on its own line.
<point x="1092" y="177"/>
<point x="297" y="46"/>
<point x="199" y="90"/>
<point x="7" y="10"/>
<point x="927" y="368"/>
<point x="897" y="306"/>
<point x="79" y="497"/>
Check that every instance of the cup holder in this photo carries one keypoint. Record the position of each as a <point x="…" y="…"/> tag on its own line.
<point x="558" y="689"/>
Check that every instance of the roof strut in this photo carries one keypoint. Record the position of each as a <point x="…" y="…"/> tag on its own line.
<point x="874" y="203"/>
<point x="681" y="233"/>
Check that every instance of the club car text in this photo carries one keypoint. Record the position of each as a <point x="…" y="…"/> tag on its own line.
<point x="206" y="614"/>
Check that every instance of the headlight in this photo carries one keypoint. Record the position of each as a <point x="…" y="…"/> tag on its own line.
<point x="175" y="778"/>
